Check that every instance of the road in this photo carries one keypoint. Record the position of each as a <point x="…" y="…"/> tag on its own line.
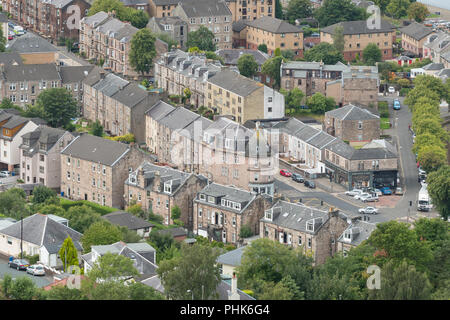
<point x="40" y="281"/>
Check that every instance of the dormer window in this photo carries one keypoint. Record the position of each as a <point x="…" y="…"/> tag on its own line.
<point x="237" y="206"/>
<point x="223" y="202"/>
<point x="268" y="215"/>
<point x="211" y="199"/>
<point x="42" y="146"/>
<point x="347" y="236"/>
<point x="310" y="226"/>
<point x="202" y="197"/>
<point x="167" y="187"/>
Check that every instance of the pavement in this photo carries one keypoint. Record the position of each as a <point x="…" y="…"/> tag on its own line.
<point x="40" y="281"/>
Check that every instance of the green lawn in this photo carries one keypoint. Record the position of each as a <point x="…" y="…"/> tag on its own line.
<point x="384" y="123"/>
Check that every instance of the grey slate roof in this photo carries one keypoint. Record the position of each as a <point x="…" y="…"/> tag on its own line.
<point x="231" y="56"/>
<point x="238" y="26"/>
<point x="134" y="2"/>
<point x="351" y="112"/>
<point x="234" y="82"/>
<point x="359" y="231"/>
<point x="416" y="30"/>
<point x="232" y="258"/>
<point x="130" y="95"/>
<point x="433" y="66"/>
<point x="30" y="43"/>
<point x="178" y="118"/>
<point x="168" y="20"/>
<point x="31" y="72"/>
<point x="205" y="8"/>
<point x="43" y="231"/>
<point x="95" y="19"/>
<point x="274" y="25"/>
<point x="72" y="74"/>
<point x="159" y="110"/>
<point x="42" y="134"/>
<point x="307" y="65"/>
<point x="359" y="27"/>
<point x="58" y="3"/>
<point x="110" y="84"/>
<point x="125" y="219"/>
<point x="175" y="232"/>
<point x="166" y="2"/>
<point x="342" y="149"/>
<point x="96" y="149"/>
<point x="9" y="58"/>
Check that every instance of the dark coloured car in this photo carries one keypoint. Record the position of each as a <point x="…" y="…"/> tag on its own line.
<point x="309" y="184"/>
<point x="297" y="177"/>
<point x="19" y="264"/>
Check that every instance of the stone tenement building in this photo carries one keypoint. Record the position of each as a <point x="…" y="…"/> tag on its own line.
<point x="224" y="151"/>
<point x="160" y="188"/>
<point x="220" y="212"/>
<point x="52" y="18"/>
<point x="94" y="169"/>
<point x="162" y="8"/>
<point x="251" y="9"/>
<point x="414" y="36"/>
<point x="357" y="36"/>
<point x="174" y="27"/>
<point x="352" y="123"/>
<point x="354" y="235"/>
<point x="297" y="225"/>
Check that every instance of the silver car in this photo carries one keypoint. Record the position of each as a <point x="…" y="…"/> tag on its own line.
<point x="36" y="270"/>
<point x="368" y="210"/>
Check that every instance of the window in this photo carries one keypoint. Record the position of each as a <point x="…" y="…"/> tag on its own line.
<point x="202" y="196"/>
<point x="167" y="204"/>
<point x="299" y="240"/>
<point x="234" y="222"/>
<point x="139" y="196"/>
<point x="309" y="242"/>
<point x="78" y="177"/>
<point x="360" y="125"/>
<point x="104" y="184"/>
<point x="104" y="170"/>
<point x="269" y="99"/>
<point x="68" y="175"/>
<point x="68" y="161"/>
<point x="200" y="211"/>
<point x="93" y="167"/>
<point x="93" y="182"/>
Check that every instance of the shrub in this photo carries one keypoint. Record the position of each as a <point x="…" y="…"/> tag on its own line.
<point x="246" y="231"/>
<point x="404" y="91"/>
<point x="102" y="210"/>
<point x="31" y="259"/>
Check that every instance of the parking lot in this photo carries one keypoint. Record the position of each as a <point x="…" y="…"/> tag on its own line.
<point x="40" y="281"/>
<point x="387" y="201"/>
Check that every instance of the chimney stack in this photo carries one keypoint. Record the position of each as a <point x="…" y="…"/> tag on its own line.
<point x="102" y="74"/>
<point x="234" y="295"/>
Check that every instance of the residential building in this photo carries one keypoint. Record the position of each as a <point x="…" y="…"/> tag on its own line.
<point x="178" y="70"/>
<point x="414" y="37"/>
<point x="445" y="59"/>
<point x="251" y="9"/>
<point x="212" y="14"/>
<point x="137" y="4"/>
<point x="38" y="234"/>
<point x="174" y="27"/>
<point x="162" y="8"/>
<point x="4" y="25"/>
<point x="231" y="57"/>
<point x="34" y="49"/>
<point x="231" y="94"/>
<point x="72" y="79"/>
<point x="374" y="165"/>
<point x="40" y="158"/>
<point x="239" y="34"/>
<point x="357" y="35"/>
<point x="178" y="234"/>
<point x="230" y="260"/>
<point x="315" y="231"/>
<point x="274" y="33"/>
<point x="12" y="128"/>
<point x="6" y="222"/>
<point x="436" y="45"/>
<point x="94" y="169"/>
<point x="118" y="104"/>
<point x="432" y="69"/>
<point x="159" y="189"/>
<point x="142" y="254"/>
<point x="131" y="222"/>
<point x="352" y="123"/>
<point x="220" y="212"/>
<point x="356" y="232"/>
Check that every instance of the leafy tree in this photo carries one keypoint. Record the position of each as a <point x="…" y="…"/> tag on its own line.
<point x="42" y="193"/>
<point x="404" y="83"/>
<point x="325" y="286"/>
<point x="100" y="233"/>
<point x="426" y="139"/>
<point x="246" y="231"/>
<point x="247" y="65"/>
<point x="109" y="6"/>
<point x="140" y="291"/>
<point x="439" y="272"/>
<point x="63" y="293"/>
<point x="418" y="11"/>
<point x="275" y="291"/>
<point x="338" y="38"/>
<point x="161" y="242"/>
<point x="142" y="50"/>
<point x="429" y="125"/>
<point x="293" y="98"/>
<point x="277" y="52"/>
<point x="432" y="157"/>
<point x="397" y="8"/>
<point x="112" y="268"/>
<point x="320" y="104"/>
<point x="6" y="284"/>
<point x="176" y="212"/>
<point x="402" y="282"/>
<point x="109" y="290"/>
<point x="202" y="38"/>
<point x="7" y="104"/>
<point x="288" y="55"/>
<point x="81" y="217"/>
<point x="324" y="52"/>
<point x="58" y="106"/>
<point x="138" y="18"/>
<point x="194" y="270"/>
<point x="439" y="190"/>
<point x="419" y="92"/>
<point x="298" y="9"/>
<point x="214" y="56"/>
<point x="271" y="67"/>
<point x="334" y="11"/>
<point x="97" y="129"/>
<point x="23" y="288"/>
<point x="278" y="10"/>
<point x="137" y="211"/>
<point x="371" y="54"/>
<point x="263" y="47"/>
<point x="2" y="40"/>
<point x="52" y="209"/>
<point x="13" y="203"/>
<point x="435" y="230"/>
<point x="129" y="236"/>
<point x="382" y="4"/>
<point x="431" y="83"/>
<point x="68" y="254"/>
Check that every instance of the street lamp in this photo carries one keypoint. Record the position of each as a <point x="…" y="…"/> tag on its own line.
<point x="192" y="293"/>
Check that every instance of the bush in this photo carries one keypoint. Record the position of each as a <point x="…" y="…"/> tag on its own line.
<point x="246" y="231"/>
<point x="102" y="210"/>
<point x="404" y="91"/>
<point x="31" y="259"/>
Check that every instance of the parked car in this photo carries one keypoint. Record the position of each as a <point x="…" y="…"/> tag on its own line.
<point x="353" y="192"/>
<point x="285" y="173"/>
<point x="309" y="184"/>
<point x="391" y="89"/>
<point x="397" y="105"/>
<point x="4" y="174"/>
<point x="386" y="191"/>
<point x="378" y="192"/>
<point x="19" y="264"/>
<point x="368" y="210"/>
<point x="361" y="195"/>
<point x="371" y="198"/>
<point x="399" y="191"/>
<point x="297" y="177"/>
<point x="36" y="270"/>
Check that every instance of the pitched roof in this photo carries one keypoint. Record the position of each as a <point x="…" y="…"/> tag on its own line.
<point x="224" y="288"/>
<point x="110" y="84"/>
<point x="130" y="95"/>
<point x="359" y="27"/>
<point x="175" y="232"/>
<point x="369" y="153"/>
<point x="10" y="58"/>
<point x="416" y="30"/>
<point x="126" y="219"/>
<point x="204" y="8"/>
<point x="178" y="118"/>
<point x="30" y="43"/>
<point x="72" y="74"/>
<point x="351" y="112"/>
<point x="41" y="135"/>
<point x="159" y="110"/>
<point x="238" y="26"/>
<point x="231" y="56"/>
<point x="311" y="65"/>
<point x="274" y="25"/>
<point x="232" y="258"/>
<point x="233" y="194"/>
<point x="433" y="66"/>
<point x="166" y="2"/>
<point x="96" y="149"/>
<point x="359" y="231"/>
<point x="31" y="72"/>
<point x="234" y="82"/>
<point x="96" y="19"/>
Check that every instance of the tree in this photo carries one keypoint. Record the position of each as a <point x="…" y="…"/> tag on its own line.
<point x="42" y="193"/>
<point x="402" y="282"/>
<point x="81" y="217"/>
<point x="426" y="82"/>
<point x="334" y="11"/>
<point x="298" y="9"/>
<point x="426" y="139"/>
<point x="419" y="92"/>
<point x="272" y="291"/>
<point x="333" y="286"/>
<point x="63" y="293"/>
<point x="278" y="10"/>
<point x="324" y="52"/>
<point x="108" y="290"/>
<point x="397" y="8"/>
<point x="271" y="67"/>
<point x="320" y="104"/>
<point x="112" y="268"/>
<point x="138" y="18"/>
<point x="7" y="104"/>
<point x="293" y="98"/>
<point x="109" y="6"/>
<point x="100" y="233"/>
<point x="13" y="203"/>
<point x="288" y="55"/>
<point x="246" y="231"/>
<point x="418" y="11"/>
<point x="277" y="52"/>
<point x="176" y="212"/>
<point x="382" y="4"/>
<point x="439" y="190"/>
<point x="137" y="211"/>
<point x="432" y="157"/>
<point x="371" y="54"/>
<point x="338" y="38"/>
<point x="194" y="270"/>
<point x="129" y="236"/>
<point x="247" y="65"/>
<point x="58" y="106"/>
<point x="68" y="254"/>
<point x="23" y="288"/>
<point x="97" y="129"/>
<point x="263" y="47"/>
<point x="435" y="230"/>
<point x="52" y="209"/>
<point x="202" y="38"/>
<point x="142" y="50"/>
<point x="214" y="56"/>
<point x="2" y="40"/>
<point x="140" y="291"/>
<point x="6" y="284"/>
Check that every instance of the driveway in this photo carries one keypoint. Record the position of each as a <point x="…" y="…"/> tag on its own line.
<point x="40" y="281"/>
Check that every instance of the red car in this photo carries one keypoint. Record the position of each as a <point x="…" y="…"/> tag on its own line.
<point x="285" y="173"/>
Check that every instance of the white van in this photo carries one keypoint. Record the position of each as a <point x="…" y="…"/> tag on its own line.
<point x="19" y="30"/>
